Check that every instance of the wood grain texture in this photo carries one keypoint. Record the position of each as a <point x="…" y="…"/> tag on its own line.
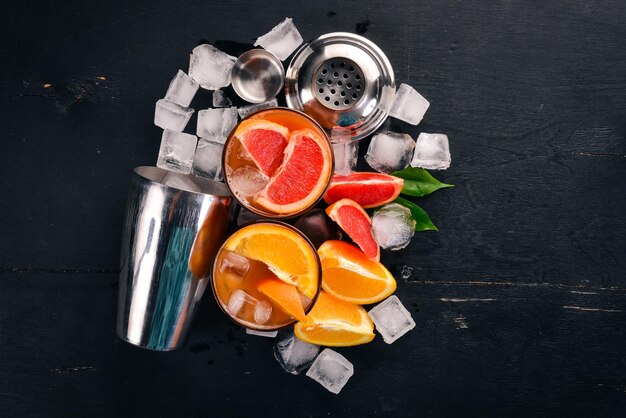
<point x="520" y="300"/>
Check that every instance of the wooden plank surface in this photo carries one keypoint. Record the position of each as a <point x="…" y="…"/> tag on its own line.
<point x="520" y="300"/>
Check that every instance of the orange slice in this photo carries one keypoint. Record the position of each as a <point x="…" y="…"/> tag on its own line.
<point x="284" y="295"/>
<point x="353" y="219"/>
<point x="348" y="274"/>
<point x="265" y="142"/>
<point x="302" y="178"/>
<point x="335" y="323"/>
<point x="283" y="251"/>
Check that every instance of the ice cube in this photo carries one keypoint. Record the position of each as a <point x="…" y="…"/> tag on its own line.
<point x="390" y="151"/>
<point x="210" y="67"/>
<point x="182" y="89"/>
<point x="235" y="264"/>
<point x="409" y="105"/>
<point x="391" y="318"/>
<point x="169" y="115"/>
<point x="176" y="152"/>
<point x="247" y="180"/>
<point x="393" y="227"/>
<point x="207" y="161"/>
<point x="346" y="154"/>
<point x="331" y="370"/>
<point x="432" y="152"/>
<point x="262" y="312"/>
<point x="318" y="227"/>
<point x="238" y="298"/>
<point x="246" y="110"/>
<point x="268" y="334"/>
<point x="282" y="40"/>
<point x="293" y="354"/>
<point x="220" y="100"/>
<point x="180" y="181"/>
<point x="216" y="124"/>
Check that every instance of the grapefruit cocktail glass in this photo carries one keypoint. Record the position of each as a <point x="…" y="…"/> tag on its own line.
<point x="278" y="162"/>
<point x="245" y="276"/>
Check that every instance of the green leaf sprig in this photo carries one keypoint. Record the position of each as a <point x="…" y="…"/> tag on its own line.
<point x="419" y="182"/>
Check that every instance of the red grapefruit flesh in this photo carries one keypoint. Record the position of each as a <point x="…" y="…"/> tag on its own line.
<point x="265" y="142"/>
<point x="351" y="217"/>
<point x="369" y="190"/>
<point x="302" y="178"/>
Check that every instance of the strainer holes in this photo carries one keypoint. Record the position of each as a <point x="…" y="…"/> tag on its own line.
<point x="339" y="83"/>
<point x="320" y="80"/>
<point x="357" y="77"/>
<point x="351" y="69"/>
<point x="336" y="103"/>
<point x="324" y="71"/>
<point x="358" y="87"/>
<point x="332" y="65"/>
<point x="346" y="101"/>
<point x="332" y="91"/>
<point x="349" y="85"/>
<point x="345" y="75"/>
<point x="343" y="64"/>
<point x="342" y="94"/>
<point x="354" y="96"/>
<point x="335" y="74"/>
<point x="329" y="82"/>
<point x="321" y="90"/>
<point x="327" y="98"/>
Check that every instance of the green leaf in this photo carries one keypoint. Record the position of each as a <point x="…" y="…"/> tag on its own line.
<point x="419" y="182"/>
<point x="422" y="220"/>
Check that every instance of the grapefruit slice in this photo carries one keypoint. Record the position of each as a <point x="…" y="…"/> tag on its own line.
<point x="335" y="323"/>
<point x="303" y="176"/>
<point x="351" y="217"/>
<point x="284" y="295"/>
<point x="369" y="190"/>
<point x="349" y="275"/>
<point x="265" y="142"/>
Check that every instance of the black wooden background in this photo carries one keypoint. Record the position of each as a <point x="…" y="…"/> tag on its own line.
<point x="520" y="300"/>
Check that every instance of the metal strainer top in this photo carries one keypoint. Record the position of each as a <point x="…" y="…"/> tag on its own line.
<point x="344" y="82"/>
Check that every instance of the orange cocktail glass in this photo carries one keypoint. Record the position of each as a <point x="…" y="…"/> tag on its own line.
<point x="296" y="172"/>
<point x="259" y="252"/>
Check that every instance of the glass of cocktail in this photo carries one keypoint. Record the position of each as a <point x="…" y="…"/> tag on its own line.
<point x="278" y="162"/>
<point x="266" y="276"/>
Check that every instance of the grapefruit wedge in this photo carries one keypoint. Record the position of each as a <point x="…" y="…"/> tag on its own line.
<point x="302" y="178"/>
<point x="265" y="142"/>
<point x="369" y="190"/>
<point x="351" y="217"/>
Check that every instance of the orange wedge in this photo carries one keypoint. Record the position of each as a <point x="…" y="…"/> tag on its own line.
<point x="348" y="274"/>
<point x="284" y="295"/>
<point x="284" y="251"/>
<point x="335" y="323"/>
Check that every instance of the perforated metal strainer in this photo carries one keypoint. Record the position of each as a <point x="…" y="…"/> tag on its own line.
<point x="344" y="82"/>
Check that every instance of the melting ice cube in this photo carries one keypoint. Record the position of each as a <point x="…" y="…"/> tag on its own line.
<point x="235" y="264"/>
<point x="238" y="298"/>
<point x="391" y="318"/>
<point x="390" y="151"/>
<point x="262" y="312"/>
<point x="247" y="180"/>
<point x="246" y="110"/>
<point x="409" y="105"/>
<point x="393" y="227"/>
<point x="210" y="67"/>
<point x="220" y="100"/>
<point x="293" y="354"/>
<point x="182" y="89"/>
<point x="216" y="124"/>
<point x="331" y="370"/>
<point x="282" y="40"/>
<point x="346" y="154"/>
<point x="169" y="115"/>
<point x="207" y="161"/>
<point x="180" y="181"/>
<point x="432" y="152"/>
<point x="176" y="152"/>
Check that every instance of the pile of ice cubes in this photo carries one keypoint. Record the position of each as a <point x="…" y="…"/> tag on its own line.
<point x="210" y="68"/>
